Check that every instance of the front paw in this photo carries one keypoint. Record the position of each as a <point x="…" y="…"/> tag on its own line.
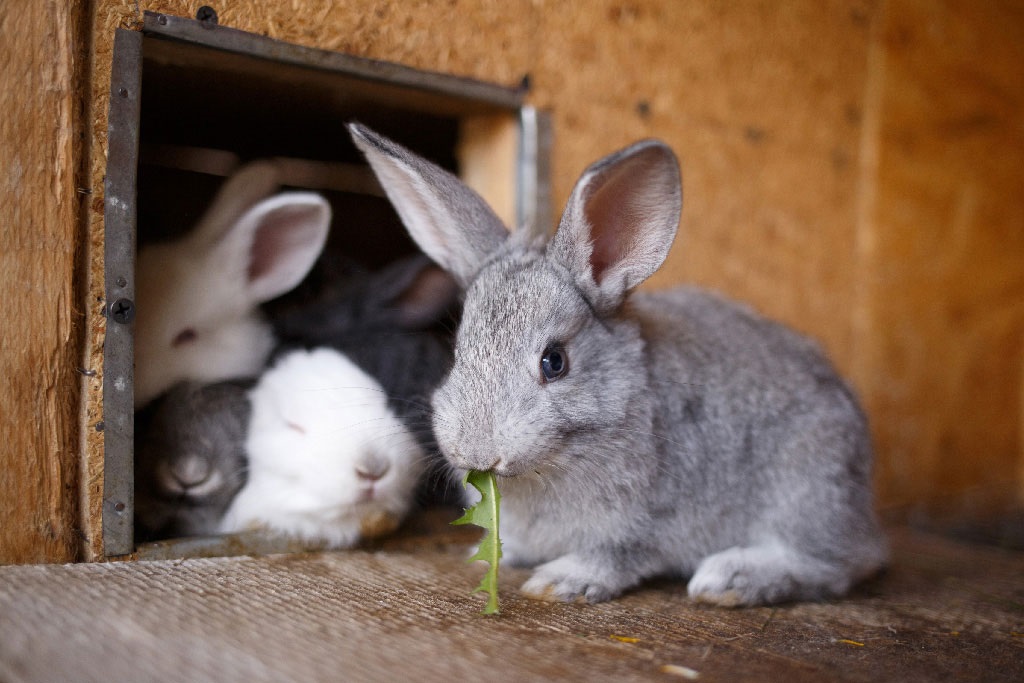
<point x="569" y="579"/>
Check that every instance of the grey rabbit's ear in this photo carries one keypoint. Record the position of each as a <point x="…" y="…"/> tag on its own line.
<point x="620" y="221"/>
<point x="414" y="291"/>
<point x="449" y="221"/>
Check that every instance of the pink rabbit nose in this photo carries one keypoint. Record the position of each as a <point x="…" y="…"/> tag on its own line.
<point x="372" y="468"/>
<point x="191" y="471"/>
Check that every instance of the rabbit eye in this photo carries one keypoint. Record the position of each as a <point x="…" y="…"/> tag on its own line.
<point x="554" y="364"/>
<point x="186" y="336"/>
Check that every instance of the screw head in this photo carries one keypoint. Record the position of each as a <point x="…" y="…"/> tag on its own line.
<point x="122" y="311"/>
<point x="207" y="14"/>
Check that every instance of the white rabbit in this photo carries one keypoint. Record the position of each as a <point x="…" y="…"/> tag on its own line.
<point x="670" y="433"/>
<point x="328" y="460"/>
<point x="197" y="297"/>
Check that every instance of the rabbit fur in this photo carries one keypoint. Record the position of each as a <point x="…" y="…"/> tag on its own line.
<point x="190" y="460"/>
<point x="328" y="460"/>
<point x="654" y="434"/>
<point x="198" y="296"/>
<point x="389" y="322"/>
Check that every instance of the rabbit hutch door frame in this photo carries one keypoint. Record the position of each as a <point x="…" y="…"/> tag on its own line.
<point x="191" y="100"/>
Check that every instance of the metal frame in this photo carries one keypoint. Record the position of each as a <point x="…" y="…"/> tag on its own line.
<point x="119" y="214"/>
<point x="532" y="209"/>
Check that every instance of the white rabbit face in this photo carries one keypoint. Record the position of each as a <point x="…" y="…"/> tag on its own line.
<point x="198" y="297"/>
<point x="327" y="458"/>
<point x="190" y="326"/>
<point x="531" y="371"/>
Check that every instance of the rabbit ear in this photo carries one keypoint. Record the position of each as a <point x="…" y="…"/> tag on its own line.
<point x="273" y="245"/>
<point x="451" y="223"/>
<point x="412" y="293"/>
<point x="248" y="185"/>
<point x="620" y="221"/>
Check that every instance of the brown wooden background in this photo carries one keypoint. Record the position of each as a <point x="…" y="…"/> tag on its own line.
<point x="853" y="167"/>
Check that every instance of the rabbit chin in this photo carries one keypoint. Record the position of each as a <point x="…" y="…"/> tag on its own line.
<point x="337" y="526"/>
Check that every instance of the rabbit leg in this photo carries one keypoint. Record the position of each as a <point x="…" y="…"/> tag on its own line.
<point x="580" y="578"/>
<point x="764" y="574"/>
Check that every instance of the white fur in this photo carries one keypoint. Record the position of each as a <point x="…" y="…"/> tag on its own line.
<point x="211" y="281"/>
<point x="316" y="419"/>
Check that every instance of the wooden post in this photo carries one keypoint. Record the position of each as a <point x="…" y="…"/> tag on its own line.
<point x="41" y="152"/>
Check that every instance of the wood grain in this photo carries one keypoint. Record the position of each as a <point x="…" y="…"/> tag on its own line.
<point x="41" y="56"/>
<point x="940" y="355"/>
<point x="851" y="167"/>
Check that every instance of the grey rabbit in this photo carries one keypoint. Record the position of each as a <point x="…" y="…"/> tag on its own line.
<point x="654" y="434"/>
<point x="191" y="458"/>
<point x="391" y="324"/>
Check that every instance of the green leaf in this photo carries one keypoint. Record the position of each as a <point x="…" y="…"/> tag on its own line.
<point x="485" y="514"/>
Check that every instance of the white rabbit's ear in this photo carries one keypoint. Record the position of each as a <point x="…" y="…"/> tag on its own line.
<point x="620" y="221"/>
<point x="449" y="221"/>
<point x="274" y="244"/>
<point x="246" y="186"/>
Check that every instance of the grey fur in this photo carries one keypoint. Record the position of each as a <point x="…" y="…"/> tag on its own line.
<point x="190" y="458"/>
<point x="690" y="437"/>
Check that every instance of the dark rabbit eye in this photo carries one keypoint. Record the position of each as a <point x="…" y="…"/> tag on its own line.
<point x="184" y="337"/>
<point x="554" y="364"/>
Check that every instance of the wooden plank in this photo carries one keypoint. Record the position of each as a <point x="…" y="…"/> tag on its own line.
<point x="403" y="611"/>
<point x="40" y="303"/>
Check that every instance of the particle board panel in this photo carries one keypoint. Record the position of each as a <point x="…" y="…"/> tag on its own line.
<point x="822" y="145"/>
<point x="942" y="351"/>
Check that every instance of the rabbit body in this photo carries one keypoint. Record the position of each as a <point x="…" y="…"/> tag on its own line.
<point x="328" y="461"/>
<point x="670" y="433"/>
<point x="190" y="460"/>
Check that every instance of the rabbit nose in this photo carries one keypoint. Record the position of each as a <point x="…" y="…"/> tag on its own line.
<point x="372" y="468"/>
<point x="191" y="471"/>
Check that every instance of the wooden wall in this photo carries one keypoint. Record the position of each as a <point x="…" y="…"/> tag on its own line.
<point x="852" y="167"/>
<point x="42" y="56"/>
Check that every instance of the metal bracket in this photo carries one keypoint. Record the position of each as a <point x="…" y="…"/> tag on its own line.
<point x="119" y="229"/>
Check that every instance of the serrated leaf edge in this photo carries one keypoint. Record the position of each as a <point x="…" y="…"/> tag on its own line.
<point x="489" y="550"/>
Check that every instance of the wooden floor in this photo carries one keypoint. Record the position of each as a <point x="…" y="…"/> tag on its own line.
<point x="945" y="611"/>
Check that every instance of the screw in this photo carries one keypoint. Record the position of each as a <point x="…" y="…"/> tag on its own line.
<point x="123" y="92"/>
<point x="119" y="506"/>
<point x="122" y="281"/>
<point x="122" y="311"/>
<point x="207" y="15"/>
<point x="162" y="20"/>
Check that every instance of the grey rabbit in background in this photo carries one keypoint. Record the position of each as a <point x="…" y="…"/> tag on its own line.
<point x="391" y="324"/>
<point x="653" y="434"/>
<point x="190" y="458"/>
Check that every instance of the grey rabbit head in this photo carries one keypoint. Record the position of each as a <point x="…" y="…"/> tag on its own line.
<point x="190" y="458"/>
<point x="636" y="435"/>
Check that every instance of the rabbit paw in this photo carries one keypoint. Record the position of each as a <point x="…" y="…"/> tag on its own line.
<point x="761" y="575"/>
<point x="569" y="579"/>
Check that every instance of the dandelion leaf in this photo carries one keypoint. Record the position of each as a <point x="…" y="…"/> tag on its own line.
<point x="485" y="514"/>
